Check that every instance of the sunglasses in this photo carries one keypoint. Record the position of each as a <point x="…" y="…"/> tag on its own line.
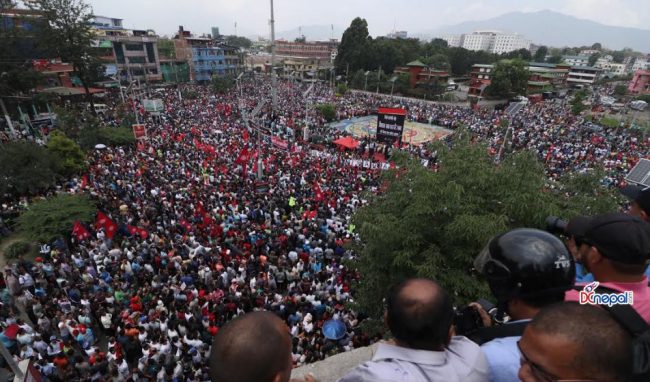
<point x="542" y="375"/>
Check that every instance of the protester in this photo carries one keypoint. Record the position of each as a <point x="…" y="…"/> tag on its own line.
<point x="526" y="269"/>
<point x="419" y="314"/>
<point x="254" y="347"/>
<point x="188" y="237"/>
<point x="568" y="341"/>
<point x="640" y="197"/>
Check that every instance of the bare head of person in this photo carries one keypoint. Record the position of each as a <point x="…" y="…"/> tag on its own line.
<point x="420" y="314"/>
<point x="255" y="347"/>
<point x="569" y="341"/>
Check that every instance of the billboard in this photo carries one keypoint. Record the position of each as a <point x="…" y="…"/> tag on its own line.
<point x="139" y="131"/>
<point x="390" y="125"/>
<point x="153" y="105"/>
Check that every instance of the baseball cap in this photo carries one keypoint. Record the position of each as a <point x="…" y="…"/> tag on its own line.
<point x="639" y="194"/>
<point x="617" y="236"/>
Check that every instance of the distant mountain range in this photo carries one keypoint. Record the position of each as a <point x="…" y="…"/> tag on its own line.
<point x="553" y="29"/>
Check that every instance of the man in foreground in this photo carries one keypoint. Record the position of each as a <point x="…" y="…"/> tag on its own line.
<point x="419" y="315"/>
<point x="255" y="347"/>
<point x="569" y="341"/>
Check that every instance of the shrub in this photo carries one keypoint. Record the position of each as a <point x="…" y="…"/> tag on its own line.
<point x="110" y="136"/>
<point x="53" y="217"/>
<point x="17" y="249"/>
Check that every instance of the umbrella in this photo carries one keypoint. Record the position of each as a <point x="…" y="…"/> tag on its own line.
<point x="100" y="146"/>
<point x="347" y="142"/>
<point x="334" y="329"/>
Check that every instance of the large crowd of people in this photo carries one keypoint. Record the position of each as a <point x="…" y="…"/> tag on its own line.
<point x="190" y="237"/>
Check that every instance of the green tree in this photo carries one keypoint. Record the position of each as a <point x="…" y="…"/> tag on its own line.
<point x="221" y="84"/>
<point x="64" y="31"/>
<point x="53" y="217"/>
<point x="239" y="42"/>
<point x="17" y="74"/>
<point x="27" y="168"/>
<point x="593" y="58"/>
<point x="540" y="54"/>
<point x="433" y="225"/>
<point x="328" y="111"/>
<point x="71" y="121"/>
<point x="509" y="77"/>
<point x="620" y="90"/>
<point x="70" y="155"/>
<point x="354" y="47"/>
<point x="555" y="59"/>
<point x="341" y="88"/>
<point x="110" y="136"/>
<point x="166" y="48"/>
<point x="618" y="56"/>
<point x="597" y="46"/>
<point x="522" y="54"/>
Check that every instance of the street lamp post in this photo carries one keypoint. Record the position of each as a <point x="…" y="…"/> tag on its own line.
<point x="365" y="86"/>
<point x="392" y="86"/>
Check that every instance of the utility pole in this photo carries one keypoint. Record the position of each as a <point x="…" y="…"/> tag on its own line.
<point x="7" y="118"/>
<point x="378" y="79"/>
<point x="347" y="71"/>
<point x="274" y="96"/>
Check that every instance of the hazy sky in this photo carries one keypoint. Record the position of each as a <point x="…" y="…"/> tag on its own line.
<point x="251" y="16"/>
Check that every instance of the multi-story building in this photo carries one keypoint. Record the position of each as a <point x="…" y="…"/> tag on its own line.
<point x="422" y="75"/>
<point x="204" y="57"/>
<point x="306" y="49"/>
<point x="453" y="40"/>
<point x="127" y="54"/>
<point x="544" y="76"/>
<point x="480" y="78"/>
<point x="490" y="41"/>
<point x="640" y="64"/>
<point x="588" y="52"/>
<point x="640" y="83"/>
<point x="576" y="60"/>
<point x="583" y="75"/>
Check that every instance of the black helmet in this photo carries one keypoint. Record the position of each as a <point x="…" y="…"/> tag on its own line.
<point x="526" y="262"/>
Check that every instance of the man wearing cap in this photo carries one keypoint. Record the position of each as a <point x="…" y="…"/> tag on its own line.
<point x="640" y="197"/>
<point x="615" y="248"/>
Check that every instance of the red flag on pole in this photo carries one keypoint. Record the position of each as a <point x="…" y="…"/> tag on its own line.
<point x="80" y="232"/>
<point x="100" y="222"/>
<point x="84" y="181"/>
<point x="319" y="196"/>
<point x="109" y="226"/>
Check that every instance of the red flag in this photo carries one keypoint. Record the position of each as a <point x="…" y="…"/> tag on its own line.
<point x="100" y="222"/>
<point x="243" y="156"/>
<point x="109" y="226"/>
<point x="133" y="230"/>
<point x="549" y="154"/>
<point x="143" y="233"/>
<point x="318" y="192"/>
<point x="245" y="136"/>
<point x="79" y="231"/>
<point x="84" y="181"/>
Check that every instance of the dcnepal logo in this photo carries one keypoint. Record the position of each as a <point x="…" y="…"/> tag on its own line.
<point x="588" y="295"/>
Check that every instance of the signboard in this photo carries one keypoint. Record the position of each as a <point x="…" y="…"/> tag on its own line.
<point x="139" y="131"/>
<point x="390" y="125"/>
<point x="153" y="105"/>
<point x="279" y="142"/>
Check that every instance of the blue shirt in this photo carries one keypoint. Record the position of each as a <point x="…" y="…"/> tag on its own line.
<point x="503" y="357"/>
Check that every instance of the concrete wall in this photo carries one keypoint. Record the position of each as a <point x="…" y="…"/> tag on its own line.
<point x="335" y="367"/>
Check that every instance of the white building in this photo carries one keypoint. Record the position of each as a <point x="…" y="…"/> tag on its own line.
<point x="641" y="64"/>
<point x="576" y="60"/>
<point x="453" y="40"/>
<point x="489" y="40"/>
<point x="589" y="52"/>
<point x="397" y="34"/>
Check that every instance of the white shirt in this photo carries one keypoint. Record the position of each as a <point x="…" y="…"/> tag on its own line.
<point x="461" y="361"/>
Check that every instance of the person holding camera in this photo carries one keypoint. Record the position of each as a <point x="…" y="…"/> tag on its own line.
<point x="527" y="270"/>
<point x="615" y="248"/>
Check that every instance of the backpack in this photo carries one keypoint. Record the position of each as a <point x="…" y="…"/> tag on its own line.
<point x="638" y="328"/>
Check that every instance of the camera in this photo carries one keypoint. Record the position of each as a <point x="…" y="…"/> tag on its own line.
<point x="556" y="225"/>
<point x="468" y="320"/>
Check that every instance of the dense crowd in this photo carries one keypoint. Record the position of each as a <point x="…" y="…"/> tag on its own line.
<point x="189" y="237"/>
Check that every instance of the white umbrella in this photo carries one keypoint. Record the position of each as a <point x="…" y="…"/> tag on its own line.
<point x="100" y="146"/>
